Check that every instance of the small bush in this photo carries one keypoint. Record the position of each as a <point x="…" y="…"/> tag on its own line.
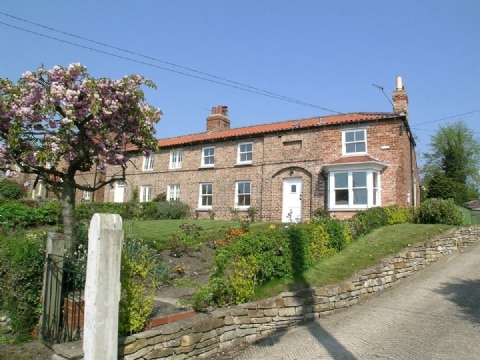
<point x="187" y="238"/>
<point x="138" y="288"/>
<point x="172" y="210"/>
<point x="14" y="215"/>
<point x="363" y="222"/>
<point x="320" y="213"/>
<point x="10" y="190"/>
<point x="439" y="211"/>
<point x="338" y="238"/>
<point x="49" y="213"/>
<point x="242" y="278"/>
<point x="271" y="248"/>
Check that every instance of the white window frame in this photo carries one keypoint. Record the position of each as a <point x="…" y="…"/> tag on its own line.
<point x="173" y="192"/>
<point x="205" y="193"/>
<point x="354" y="142"/>
<point x="147" y="162"/>
<point x="145" y="193"/>
<point x="245" y="152"/>
<point x="373" y="193"/>
<point x="176" y="157"/>
<point x="242" y="192"/>
<point x="208" y="156"/>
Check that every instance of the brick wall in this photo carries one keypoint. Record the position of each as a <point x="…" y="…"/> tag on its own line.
<point x="299" y="153"/>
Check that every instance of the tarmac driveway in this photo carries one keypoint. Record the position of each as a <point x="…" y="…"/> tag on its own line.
<point x="433" y="314"/>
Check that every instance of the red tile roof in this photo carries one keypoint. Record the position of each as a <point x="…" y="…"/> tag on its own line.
<point x="352" y="160"/>
<point x="356" y="159"/>
<point x="273" y="127"/>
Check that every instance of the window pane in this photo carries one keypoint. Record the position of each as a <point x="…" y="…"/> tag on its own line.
<point x="375" y="197"/>
<point x="360" y="147"/>
<point x="341" y="180"/>
<point x="359" y="179"/>
<point x="206" y="189"/>
<point x="360" y="135"/>
<point x="349" y="136"/>
<point x="244" y="200"/>
<point x="350" y="148"/>
<point x="360" y="196"/>
<point x="341" y="197"/>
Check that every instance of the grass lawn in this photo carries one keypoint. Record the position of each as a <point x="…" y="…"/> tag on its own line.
<point x="157" y="233"/>
<point x="361" y="254"/>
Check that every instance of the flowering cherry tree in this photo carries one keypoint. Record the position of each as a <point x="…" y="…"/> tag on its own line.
<point x="61" y="122"/>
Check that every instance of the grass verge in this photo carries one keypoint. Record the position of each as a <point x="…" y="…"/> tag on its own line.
<point x="363" y="253"/>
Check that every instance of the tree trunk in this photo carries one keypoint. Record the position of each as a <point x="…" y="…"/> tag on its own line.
<point x="68" y="211"/>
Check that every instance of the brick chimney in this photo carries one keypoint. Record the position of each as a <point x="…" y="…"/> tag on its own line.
<point x="400" y="98"/>
<point x="218" y="119"/>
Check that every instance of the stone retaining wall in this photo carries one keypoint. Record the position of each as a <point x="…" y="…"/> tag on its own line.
<point x="204" y="334"/>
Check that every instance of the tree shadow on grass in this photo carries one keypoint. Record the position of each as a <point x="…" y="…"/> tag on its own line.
<point x="466" y="295"/>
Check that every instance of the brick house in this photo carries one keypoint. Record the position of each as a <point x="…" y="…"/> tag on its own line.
<point x="285" y="170"/>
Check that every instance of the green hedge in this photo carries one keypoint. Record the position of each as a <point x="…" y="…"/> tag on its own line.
<point x="22" y="257"/>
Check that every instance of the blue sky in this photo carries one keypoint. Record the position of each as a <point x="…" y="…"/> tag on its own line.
<point x="323" y="56"/>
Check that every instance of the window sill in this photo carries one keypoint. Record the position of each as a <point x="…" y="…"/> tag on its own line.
<point x="203" y="209"/>
<point x="242" y="208"/>
<point x="243" y="164"/>
<point x="349" y="208"/>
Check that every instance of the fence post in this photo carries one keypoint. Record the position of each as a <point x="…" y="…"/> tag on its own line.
<point x="56" y="248"/>
<point x="102" y="288"/>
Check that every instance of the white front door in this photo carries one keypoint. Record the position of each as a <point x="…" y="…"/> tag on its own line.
<point x="292" y="200"/>
<point x="118" y="191"/>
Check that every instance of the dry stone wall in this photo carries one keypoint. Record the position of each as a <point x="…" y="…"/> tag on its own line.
<point x="201" y="336"/>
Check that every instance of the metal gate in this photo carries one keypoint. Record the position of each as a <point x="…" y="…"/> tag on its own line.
<point x="63" y="302"/>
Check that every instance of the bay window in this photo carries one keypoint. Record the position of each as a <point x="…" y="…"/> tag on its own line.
<point x="354" y="189"/>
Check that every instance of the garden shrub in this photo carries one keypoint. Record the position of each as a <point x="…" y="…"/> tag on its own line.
<point x="49" y="213"/>
<point x="363" y="222"/>
<point x="320" y="213"/>
<point x="215" y="293"/>
<point x="11" y="190"/>
<point x="271" y="248"/>
<point x="22" y="258"/>
<point x="14" y="215"/>
<point x="396" y="214"/>
<point x="439" y="211"/>
<point x="189" y="237"/>
<point x="172" y="210"/>
<point x="241" y="276"/>
<point x="149" y="210"/>
<point x="338" y="237"/>
<point x="137" y="286"/>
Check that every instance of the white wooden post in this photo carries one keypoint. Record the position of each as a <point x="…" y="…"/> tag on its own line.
<point x="102" y="288"/>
